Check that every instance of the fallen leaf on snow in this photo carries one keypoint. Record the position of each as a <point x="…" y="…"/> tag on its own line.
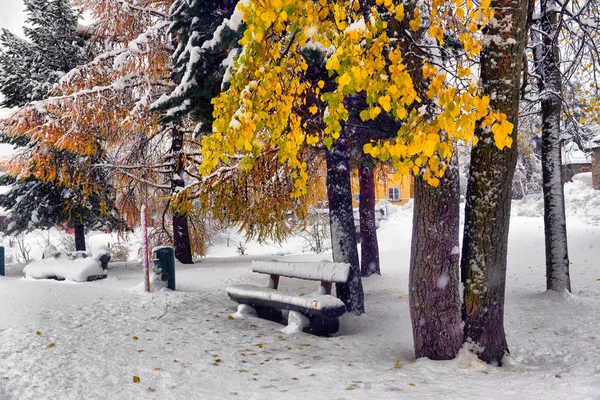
<point x="136" y="379"/>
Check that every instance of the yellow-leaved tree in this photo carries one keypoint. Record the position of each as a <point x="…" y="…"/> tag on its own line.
<point x="304" y="68"/>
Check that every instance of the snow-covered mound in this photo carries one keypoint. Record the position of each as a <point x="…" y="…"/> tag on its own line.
<point x="585" y="177"/>
<point x="580" y="198"/>
<point x="62" y="267"/>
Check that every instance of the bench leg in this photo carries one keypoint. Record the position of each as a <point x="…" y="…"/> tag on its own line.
<point x="322" y="326"/>
<point x="272" y="314"/>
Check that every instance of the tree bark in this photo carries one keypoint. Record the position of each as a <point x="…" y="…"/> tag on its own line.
<point x="487" y="212"/>
<point x="181" y="239"/>
<point x="181" y="234"/>
<point x="369" y="254"/>
<point x="79" y="237"/>
<point x="547" y="59"/>
<point x="435" y="308"/>
<point x="343" y="236"/>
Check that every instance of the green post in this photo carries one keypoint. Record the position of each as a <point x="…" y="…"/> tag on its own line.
<point x="164" y="264"/>
<point x="2" y="270"/>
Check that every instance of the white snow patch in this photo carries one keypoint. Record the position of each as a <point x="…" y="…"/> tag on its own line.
<point x="296" y="322"/>
<point x="442" y="281"/>
<point x="72" y="270"/>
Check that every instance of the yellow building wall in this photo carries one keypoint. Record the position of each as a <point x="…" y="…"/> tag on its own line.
<point x="386" y="179"/>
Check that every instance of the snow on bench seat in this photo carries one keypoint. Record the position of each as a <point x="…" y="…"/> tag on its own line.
<point x="308" y="302"/>
<point x="315" y="271"/>
<point x="78" y="270"/>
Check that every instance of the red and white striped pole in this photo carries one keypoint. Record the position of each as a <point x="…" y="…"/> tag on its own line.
<point x="145" y="259"/>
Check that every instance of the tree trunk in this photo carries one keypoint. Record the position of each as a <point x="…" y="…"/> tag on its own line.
<point x="181" y="239"/>
<point x="343" y="233"/>
<point x="547" y="58"/>
<point x="181" y="234"/>
<point x="434" y="285"/>
<point x="79" y="237"/>
<point x="487" y="212"/>
<point x="369" y="254"/>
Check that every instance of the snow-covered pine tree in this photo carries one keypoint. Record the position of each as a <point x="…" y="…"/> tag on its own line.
<point x="30" y="68"/>
<point x="198" y="72"/>
<point x="206" y="31"/>
<point x="28" y="71"/>
<point x="32" y="204"/>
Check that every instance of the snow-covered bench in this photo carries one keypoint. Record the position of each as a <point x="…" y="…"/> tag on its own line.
<point x="78" y="266"/>
<point x="313" y="313"/>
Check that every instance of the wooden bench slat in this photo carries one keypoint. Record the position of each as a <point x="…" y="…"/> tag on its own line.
<point x="308" y="302"/>
<point x="315" y="271"/>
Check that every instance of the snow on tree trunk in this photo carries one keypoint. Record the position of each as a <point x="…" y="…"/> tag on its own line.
<point x="79" y="237"/>
<point x="434" y="284"/>
<point x="181" y="234"/>
<point x="487" y="211"/>
<point x="547" y="59"/>
<point x="343" y="234"/>
<point x="369" y="254"/>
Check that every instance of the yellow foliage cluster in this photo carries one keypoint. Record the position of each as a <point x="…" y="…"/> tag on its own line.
<point x="274" y="100"/>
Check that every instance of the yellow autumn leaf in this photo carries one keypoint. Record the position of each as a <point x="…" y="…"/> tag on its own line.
<point x="344" y="80"/>
<point x="38" y="333"/>
<point x="415" y="23"/>
<point x="374" y="112"/>
<point x="230" y="317"/>
<point x="332" y="63"/>
<point x="136" y="379"/>
<point x="51" y="345"/>
<point x="384" y="101"/>
<point x="399" y="12"/>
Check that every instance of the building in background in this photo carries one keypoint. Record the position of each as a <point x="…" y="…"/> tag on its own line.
<point x="388" y="187"/>
<point x="574" y="161"/>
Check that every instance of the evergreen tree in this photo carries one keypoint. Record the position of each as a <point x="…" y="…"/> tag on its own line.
<point x="29" y="68"/>
<point x="206" y="34"/>
<point x="28" y="71"/>
<point x="197" y="70"/>
<point x="35" y="205"/>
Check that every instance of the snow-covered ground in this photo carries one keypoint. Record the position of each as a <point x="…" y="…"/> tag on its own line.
<point x="66" y="340"/>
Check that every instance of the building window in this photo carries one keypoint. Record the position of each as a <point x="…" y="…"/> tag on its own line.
<point x="394" y="194"/>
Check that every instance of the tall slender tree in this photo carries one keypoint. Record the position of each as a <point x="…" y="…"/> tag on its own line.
<point x="547" y="65"/>
<point x="369" y="246"/>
